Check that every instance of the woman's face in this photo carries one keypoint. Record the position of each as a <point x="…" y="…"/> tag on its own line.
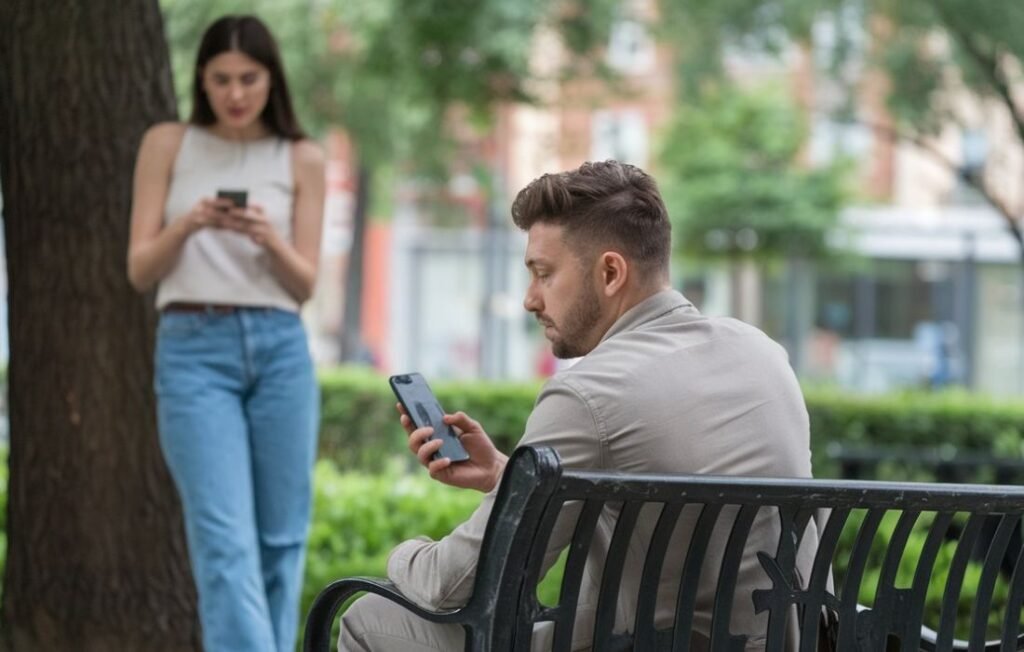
<point x="237" y="87"/>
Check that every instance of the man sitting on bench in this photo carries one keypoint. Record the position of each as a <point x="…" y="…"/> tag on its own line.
<point x="659" y="388"/>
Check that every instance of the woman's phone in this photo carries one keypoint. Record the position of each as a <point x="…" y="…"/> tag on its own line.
<point x="237" y="197"/>
<point x="423" y="408"/>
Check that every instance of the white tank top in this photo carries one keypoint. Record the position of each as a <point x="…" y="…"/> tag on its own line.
<point x="220" y="266"/>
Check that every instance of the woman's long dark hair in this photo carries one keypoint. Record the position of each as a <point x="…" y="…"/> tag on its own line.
<point x="248" y="35"/>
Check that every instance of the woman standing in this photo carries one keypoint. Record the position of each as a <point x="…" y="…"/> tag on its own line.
<point x="236" y="393"/>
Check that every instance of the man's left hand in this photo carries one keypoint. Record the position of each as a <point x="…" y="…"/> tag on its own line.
<point x="482" y="471"/>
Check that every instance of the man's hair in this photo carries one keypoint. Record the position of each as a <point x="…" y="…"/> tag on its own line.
<point x="602" y="206"/>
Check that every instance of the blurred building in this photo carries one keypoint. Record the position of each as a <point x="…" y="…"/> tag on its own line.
<point x="930" y="294"/>
<point x="936" y="297"/>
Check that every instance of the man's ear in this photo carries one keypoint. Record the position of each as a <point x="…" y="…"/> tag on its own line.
<point x="614" y="272"/>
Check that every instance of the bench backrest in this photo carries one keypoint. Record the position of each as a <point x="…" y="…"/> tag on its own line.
<point x="887" y="541"/>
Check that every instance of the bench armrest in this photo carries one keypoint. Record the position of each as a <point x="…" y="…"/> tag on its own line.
<point x="325" y="606"/>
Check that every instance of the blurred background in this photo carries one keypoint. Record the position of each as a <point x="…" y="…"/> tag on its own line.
<point x="845" y="174"/>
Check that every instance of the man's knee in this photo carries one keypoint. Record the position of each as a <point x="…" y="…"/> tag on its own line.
<point x="353" y="626"/>
<point x="373" y="624"/>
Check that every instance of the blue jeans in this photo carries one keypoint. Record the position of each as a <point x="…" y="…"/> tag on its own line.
<point x="238" y="412"/>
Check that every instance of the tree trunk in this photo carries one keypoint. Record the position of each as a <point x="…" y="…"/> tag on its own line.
<point x="96" y="553"/>
<point x="352" y="347"/>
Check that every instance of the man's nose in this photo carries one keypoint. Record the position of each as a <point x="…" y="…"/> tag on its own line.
<point x="531" y="301"/>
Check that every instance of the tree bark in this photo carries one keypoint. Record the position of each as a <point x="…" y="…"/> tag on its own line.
<point x="352" y="347"/>
<point x="96" y="554"/>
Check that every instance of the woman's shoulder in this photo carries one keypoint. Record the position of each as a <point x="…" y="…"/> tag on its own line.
<point x="307" y="153"/>
<point x="167" y="132"/>
<point x="308" y="157"/>
<point x="164" y="138"/>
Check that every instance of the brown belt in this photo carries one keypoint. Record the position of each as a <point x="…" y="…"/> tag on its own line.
<point x="184" y="306"/>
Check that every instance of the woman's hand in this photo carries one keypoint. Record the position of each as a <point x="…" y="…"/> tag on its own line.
<point x="252" y="221"/>
<point x="207" y="213"/>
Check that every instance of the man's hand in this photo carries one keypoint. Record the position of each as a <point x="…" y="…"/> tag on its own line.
<point x="481" y="471"/>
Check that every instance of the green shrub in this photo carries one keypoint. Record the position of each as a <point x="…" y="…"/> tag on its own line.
<point x="953" y="420"/>
<point x="359" y="517"/>
<point x="360" y="428"/>
<point x="359" y="425"/>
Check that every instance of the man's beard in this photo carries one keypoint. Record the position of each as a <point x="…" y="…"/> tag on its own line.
<point x="579" y="321"/>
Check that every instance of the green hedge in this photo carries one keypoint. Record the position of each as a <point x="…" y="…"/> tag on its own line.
<point x="360" y="429"/>
<point x="359" y="425"/>
<point x="359" y="517"/>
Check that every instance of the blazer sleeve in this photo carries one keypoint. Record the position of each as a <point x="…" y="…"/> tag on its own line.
<point x="440" y="574"/>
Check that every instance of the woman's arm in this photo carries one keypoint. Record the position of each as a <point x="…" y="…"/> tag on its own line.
<point x="295" y="263"/>
<point x="153" y="249"/>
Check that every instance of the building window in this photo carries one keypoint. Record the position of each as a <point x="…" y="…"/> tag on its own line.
<point x="973" y="155"/>
<point x="631" y="48"/>
<point x="832" y="140"/>
<point x="619" y="135"/>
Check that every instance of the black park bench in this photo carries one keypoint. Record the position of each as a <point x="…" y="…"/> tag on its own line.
<point x="888" y="544"/>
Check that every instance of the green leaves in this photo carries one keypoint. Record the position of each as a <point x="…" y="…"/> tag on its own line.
<point x="733" y="182"/>
<point x="358" y="517"/>
<point x="389" y="71"/>
<point x="928" y="51"/>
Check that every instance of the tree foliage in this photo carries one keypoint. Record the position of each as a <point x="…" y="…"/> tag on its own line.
<point x="733" y="182"/>
<point x="389" y="71"/>
<point x="931" y="54"/>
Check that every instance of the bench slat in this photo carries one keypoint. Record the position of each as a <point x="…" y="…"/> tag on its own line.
<point x="848" y="614"/>
<point x="954" y="582"/>
<point x="721" y="639"/>
<point x="781" y="598"/>
<point x="611" y="577"/>
<point x="818" y="582"/>
<point x="890" y="602"/>
<point x="690" y="577"/>
<point x="922" y="576"/>
<point x="989" y="575"/>
<point x="645" y="636"/>
<point x="1014" y="604"/>
<point x="568" y="595"/>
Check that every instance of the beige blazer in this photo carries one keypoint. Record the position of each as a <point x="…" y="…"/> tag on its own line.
<point x="667" y="390"/>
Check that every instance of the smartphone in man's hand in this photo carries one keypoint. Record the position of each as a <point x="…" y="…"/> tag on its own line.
<point x="237" y="197"/>
<point x="423" y="408"/>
